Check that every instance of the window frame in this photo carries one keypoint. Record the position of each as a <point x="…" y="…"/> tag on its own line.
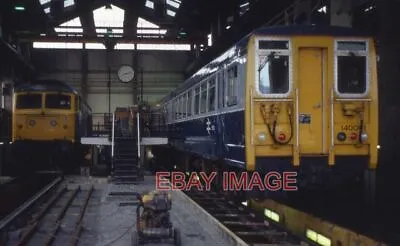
<point x="287" y="52"/>
<point x="228" y="103"/>
<point x="62" y="94"/>
<point x="196" y="110"/>
<point x="346" y="53"/>
<point x="29" y="93"/>
<point x="212" y="79"/>
<point x="203" y="84"/>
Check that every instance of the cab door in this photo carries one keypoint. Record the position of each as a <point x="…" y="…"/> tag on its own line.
<point x="311" y="85"/>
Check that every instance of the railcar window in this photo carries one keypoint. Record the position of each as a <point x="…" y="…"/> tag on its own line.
<point x="352" y="74"/>
<point x="189" y="104"/>
<point x="211" y="95"/>
<point x="29" y="101"/>
<point x="176" y="108"/>
<point x="58" y="101"/>
<point x="232" y="86"/>
<point x="184" y="105"/>
<point x="203" y="99"/>
<point x="196" y="100"/>
<point x="273" y="74"/>
<point x="352" y="46"/>
<point x="273" y="45"/>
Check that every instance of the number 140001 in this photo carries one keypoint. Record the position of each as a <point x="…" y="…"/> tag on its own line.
<point x="350" y="128"/>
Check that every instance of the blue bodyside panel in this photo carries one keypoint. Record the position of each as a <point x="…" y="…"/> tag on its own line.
<point x="233" y="138"/>
<point x="215" y="137"/>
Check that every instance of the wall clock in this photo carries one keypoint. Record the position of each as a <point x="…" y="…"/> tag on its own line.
<point x="126" y="74"/>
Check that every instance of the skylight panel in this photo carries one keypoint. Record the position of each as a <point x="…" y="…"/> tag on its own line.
<point x="149" y="4"/>
<point x="57" y="45"/>
<point x="173" y="4"/>
<point x="104" y="30"/>
<point x="124" y="46"/>
<point x="74" y="22"/>
<point x="68" y="3"/>
<point x="42" y="2"/>
<point x="113" y="17"/>
<point x="142" y="23"/>
<point x="95" y="46"/>
<point x="163" y="47"/>
<point x="147" y="31"/>
<point x="171" y="13"/>
<point x="322" y="9"/>
<point x="69" y="30"/>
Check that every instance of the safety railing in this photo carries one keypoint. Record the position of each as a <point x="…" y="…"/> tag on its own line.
<point x="101" y="124"/>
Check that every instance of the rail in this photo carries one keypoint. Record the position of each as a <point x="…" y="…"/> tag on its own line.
<point x="28" y="204"/>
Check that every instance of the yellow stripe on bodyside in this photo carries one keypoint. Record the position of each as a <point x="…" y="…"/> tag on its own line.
<point x="250" y="78"/>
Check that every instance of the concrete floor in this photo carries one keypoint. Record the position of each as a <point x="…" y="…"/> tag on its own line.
<point x="107" y="223"/>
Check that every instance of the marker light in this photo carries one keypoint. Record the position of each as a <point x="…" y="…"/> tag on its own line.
<point x="364" y="137"/>
<point x="262" y="137"/>
<point x="341" y="136"/>
<point x="281" y="137"/>
<point x="353" y="136"/>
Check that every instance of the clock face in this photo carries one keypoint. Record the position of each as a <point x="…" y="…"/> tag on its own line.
<point x="126" y="74"/>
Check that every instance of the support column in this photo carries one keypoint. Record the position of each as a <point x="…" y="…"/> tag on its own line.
<point x="341" y="13"/>
<point x="84" y="73"/>
<point x="135" y="79"/>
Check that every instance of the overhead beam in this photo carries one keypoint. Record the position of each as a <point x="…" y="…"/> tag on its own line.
<point x="133" y="9"/>
<point x="84" y="7"/>
<point x="103" y="40"/>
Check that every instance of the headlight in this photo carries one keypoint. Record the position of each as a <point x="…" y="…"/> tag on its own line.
<point x="53" y="123"/>
<point x="341" y="136"/>
<point x="364" y="137"/>
<point x="32" y="122"/>
<point x="262" y="137"/>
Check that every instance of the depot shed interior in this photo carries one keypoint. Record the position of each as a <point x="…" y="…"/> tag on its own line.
<point x="86" y="42"/>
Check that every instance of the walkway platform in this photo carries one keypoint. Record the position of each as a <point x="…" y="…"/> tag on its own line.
<point x="111" y="215"/>
<point x="105" y="141"/>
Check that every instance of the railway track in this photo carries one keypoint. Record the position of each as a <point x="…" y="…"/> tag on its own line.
<point x="251" y="227"/>
<point x="20" y="189"/>
<point x="39" y="220"/>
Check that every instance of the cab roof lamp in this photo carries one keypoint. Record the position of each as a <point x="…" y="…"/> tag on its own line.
<point x="19" y="8"/>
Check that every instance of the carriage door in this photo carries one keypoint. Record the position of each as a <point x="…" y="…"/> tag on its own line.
<point x="312" y="70"/>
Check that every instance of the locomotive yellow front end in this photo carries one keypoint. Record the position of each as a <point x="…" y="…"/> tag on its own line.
<point x="44" y="116"/>
<point x="311" y="104"/>
<point x="43" y="129"/>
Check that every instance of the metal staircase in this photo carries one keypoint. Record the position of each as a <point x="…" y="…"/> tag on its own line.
<point x="125" y="151"/>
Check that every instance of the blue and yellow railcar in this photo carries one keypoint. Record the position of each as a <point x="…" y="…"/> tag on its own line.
<point x="49" y="119"/>
<point x="283" y="98"/>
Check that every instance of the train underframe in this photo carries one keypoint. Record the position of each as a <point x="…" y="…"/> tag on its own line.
<point x="313" y="176"/>
<point x="58" y="155"/>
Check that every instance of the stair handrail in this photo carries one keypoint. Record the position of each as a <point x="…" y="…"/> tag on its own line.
<point x="112" y="135"/>
<point x="138" y="132"/>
